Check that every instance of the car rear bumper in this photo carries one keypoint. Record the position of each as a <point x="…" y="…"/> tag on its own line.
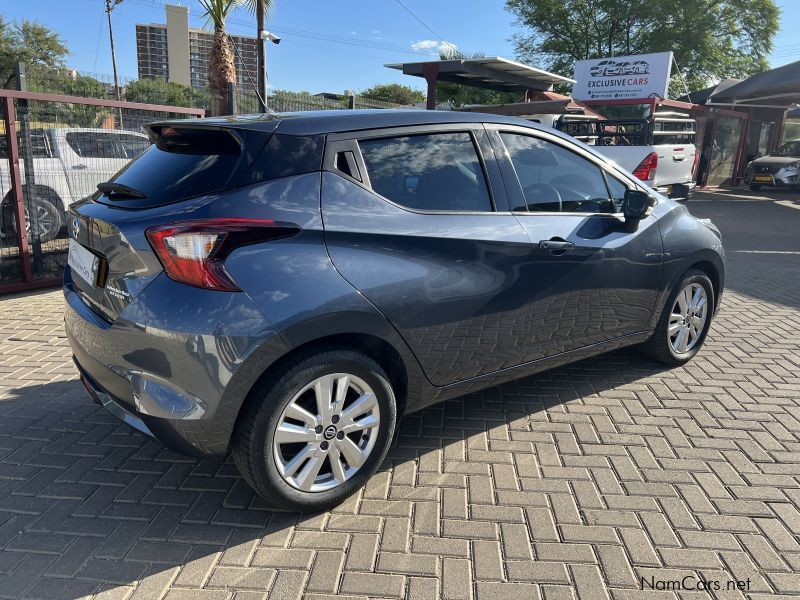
<point x="173" y="434"/>
<point x="181" y="382"/>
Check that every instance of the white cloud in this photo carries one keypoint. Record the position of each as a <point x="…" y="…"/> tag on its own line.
<point x="432" y="46"/>
<point x="425" y="45"/>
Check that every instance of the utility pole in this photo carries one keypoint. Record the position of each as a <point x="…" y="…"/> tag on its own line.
<point x="262" y="78"/>
<point x="110" y="5"/>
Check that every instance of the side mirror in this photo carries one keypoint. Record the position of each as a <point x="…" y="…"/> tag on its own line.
<point x="636" y="206"/>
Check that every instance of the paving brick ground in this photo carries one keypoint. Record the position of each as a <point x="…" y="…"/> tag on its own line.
<point x="575" y="483"/>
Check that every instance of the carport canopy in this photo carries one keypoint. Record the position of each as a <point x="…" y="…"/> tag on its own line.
<point x="494" y="73"/>
<point x="778" y="88"/>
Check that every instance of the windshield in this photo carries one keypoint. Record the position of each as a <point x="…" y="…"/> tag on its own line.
<point x="789" y="149"/>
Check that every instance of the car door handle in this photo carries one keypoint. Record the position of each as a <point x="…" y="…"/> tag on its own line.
<point x="556" y="245"/>
<point x="78" y="167"/>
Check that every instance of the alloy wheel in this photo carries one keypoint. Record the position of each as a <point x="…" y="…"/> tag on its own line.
<point x="326" y="432"/>
<point x="43" y="224"/>
<point x="688" y="318"/>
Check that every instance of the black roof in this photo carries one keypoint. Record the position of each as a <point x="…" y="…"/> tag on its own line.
<point x="331" y="121"/>
<point x="780" y="86"/>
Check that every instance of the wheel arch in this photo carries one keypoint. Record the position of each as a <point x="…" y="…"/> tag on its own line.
<point x="710" y="269"/>
<point x="40" y="190"/>
<point x="377" y="348"/>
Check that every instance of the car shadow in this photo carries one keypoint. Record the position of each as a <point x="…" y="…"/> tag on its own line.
<point x="99" y="505"/>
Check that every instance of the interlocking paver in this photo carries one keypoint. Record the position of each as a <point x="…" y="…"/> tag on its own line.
<point x="574" y="483"/>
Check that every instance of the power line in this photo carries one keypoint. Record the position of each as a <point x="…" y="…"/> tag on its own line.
<point x="315" y="35"/>
<point x="425" y="25"/>
<point x="99" y="35"/>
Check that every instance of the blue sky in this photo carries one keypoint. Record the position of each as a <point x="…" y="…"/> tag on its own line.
<point x="327" y="46"/>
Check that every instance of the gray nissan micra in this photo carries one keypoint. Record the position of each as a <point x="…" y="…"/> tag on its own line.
<point x="286" y="286"/>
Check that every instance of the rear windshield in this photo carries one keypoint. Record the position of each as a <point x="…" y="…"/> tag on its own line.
<point x="182" y="163"/>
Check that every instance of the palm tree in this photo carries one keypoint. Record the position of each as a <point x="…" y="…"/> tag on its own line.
<point x="221" y="66"/>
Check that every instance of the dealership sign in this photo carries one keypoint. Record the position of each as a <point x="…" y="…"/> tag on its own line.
<point x="623" y="77"/>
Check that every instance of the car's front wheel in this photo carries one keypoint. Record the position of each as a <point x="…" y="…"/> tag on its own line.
<point x="684" y="322"/>
<point x="311" y="437"/>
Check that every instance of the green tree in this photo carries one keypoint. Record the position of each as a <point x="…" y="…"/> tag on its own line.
<point x="711" y="39"/>
<point x="221" y="66"/>
<point x="51" y="81"/>
<point x="393" y="93"/>
<point x="158" y="91"/>
<point x="30" y="43"/>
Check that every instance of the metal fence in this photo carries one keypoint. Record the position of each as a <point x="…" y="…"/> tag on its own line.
<point x="284" y="101"/>
<point x="54" y="150"/>
<point x="66" y="133"/>
<point x="39" y="78"/>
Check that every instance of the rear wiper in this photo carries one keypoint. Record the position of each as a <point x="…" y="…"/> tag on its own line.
<point x="118" y="190"/>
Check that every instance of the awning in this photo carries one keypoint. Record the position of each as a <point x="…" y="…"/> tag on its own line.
<point x="492" y="73"/>
<point x="779" y="88"/>
<point x="702" y="96"/>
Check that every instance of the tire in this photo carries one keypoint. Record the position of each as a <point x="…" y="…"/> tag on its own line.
<point x="275" y="472"/>
<point x="661" y="345"/>
<point x="755" y="187"/>
<point x="48" y="220"/>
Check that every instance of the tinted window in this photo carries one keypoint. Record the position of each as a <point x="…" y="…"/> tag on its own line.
<point x="617" y="189"/>
<point x="91" y="144"/>
<point x="428" y="172"/>
<point x="131" y="146"/>
<point x="182" y="164"/>
<point x="556" y="179"/>
<point x="40" y="145"/>
<point x="286" y="155"/>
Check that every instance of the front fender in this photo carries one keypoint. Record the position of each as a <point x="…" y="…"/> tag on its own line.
<point x="688" y="242"/>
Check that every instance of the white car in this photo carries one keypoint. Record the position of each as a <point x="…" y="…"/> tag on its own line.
<point x="68" y="163"/>
<point x="661" y="153"/>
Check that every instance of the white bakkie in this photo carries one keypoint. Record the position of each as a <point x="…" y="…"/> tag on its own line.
<point x="661" y="152"/>
<point x="67" y="165"/>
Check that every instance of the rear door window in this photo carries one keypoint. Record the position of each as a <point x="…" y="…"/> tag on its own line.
<point x="91" y="144"/>
<point x="131" y="146"/>
<point x="428" y="172"/>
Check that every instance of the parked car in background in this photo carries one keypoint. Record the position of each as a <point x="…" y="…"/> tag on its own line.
<point x="68" y="163"/>
<point x="287" y="286"/>
<point x="661" y="152"/>
<point x="782" y="168"/>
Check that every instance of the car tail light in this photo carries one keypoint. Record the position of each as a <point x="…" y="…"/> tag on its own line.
<point x="646" y="171"/>
<point x="193" y="252"/>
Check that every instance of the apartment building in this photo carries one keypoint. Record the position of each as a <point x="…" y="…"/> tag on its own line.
<point x="175" y="52"/>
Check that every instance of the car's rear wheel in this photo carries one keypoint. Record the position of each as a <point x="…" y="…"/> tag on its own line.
<point x="684" y="323"/>
<point x="755" y="186"/>
<point x="313" y="436"/>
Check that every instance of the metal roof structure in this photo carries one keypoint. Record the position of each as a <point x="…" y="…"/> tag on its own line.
<point x="777" y="88"/>
<point x="702" y="96"/>
<point x="494" y="73"/>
